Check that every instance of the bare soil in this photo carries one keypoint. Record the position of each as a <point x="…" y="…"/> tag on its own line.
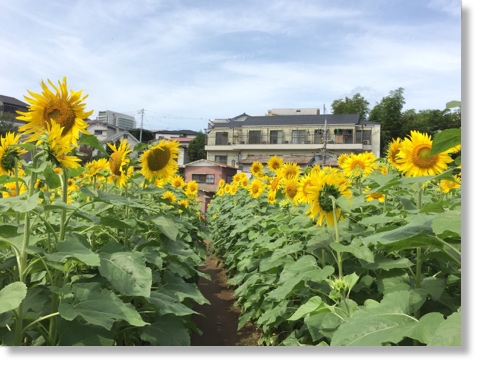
<point x="220" y="318"/>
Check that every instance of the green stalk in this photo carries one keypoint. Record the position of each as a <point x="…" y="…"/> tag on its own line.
<point x="337" y="238"/>
<point x="418" y="268"/>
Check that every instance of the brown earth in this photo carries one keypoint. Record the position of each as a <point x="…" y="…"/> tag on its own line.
<point x="220" y="318"/>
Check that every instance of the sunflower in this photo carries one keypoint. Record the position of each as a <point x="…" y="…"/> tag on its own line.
<point x="319" y="194"/>
<point x="373" y="196"/>
<point x="341" y="159"/>
<point x="392" y="154"/>
<point x="272" y="197"/>
<point x="304" y="183"/>
<point x="119" y="163"/>
<point x="233" y="189"/>
<point x="191" y="189"/>
<point x="415" y="159"/>
<point x="358" y="165"/>
<point x="244" y="182"/>
<point x="227" y="188"/>
<point x="183" y="202"/>
<point x="58" y="146"/>
<point x="177" y="181"/>
<point x="67" y="110"/>
<point x="257" y="169"/>
<point x="290" y="190"/>
<point x="220" y="192"/>
<point x="290" y="170"/>
<point x="9" y="152"/>
<point x="275" y="163"/>
<point x="221" y="183"/>
<point x="255" y="188"/>
<point x="11" y="189"/>
<point x="169" y="196"/>
<point x="159" y="161"/>
<point x="447" y="185"/>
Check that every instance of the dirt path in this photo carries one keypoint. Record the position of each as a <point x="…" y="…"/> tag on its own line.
<point x="219" y="326"/>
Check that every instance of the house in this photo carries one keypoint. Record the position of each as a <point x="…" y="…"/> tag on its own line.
<point x="108" y="133"/>
<point x="294" y="134"/>
<point x="183" y="136"/>
<point x="207" y="174"/>
<point x="120" y="120"/>
<point x="10" y="105"/>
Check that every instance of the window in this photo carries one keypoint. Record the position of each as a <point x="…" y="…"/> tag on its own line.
<point x="255" y="137"/>
<point x="221" y="138"/>
<point x="98" y="132"/>
<point x="222" y="159"/>
<point x="276" y="137"/>
<point x="204" y="178"/>
<point x="299" y="136"/>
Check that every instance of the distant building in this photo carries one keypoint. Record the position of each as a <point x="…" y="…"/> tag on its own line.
<point x="11" y="105"/>
<point x="298" y="135"/>
<point x="124" y="121"/>
<point x="207" y="174"/>
<point x="107" y="133"/>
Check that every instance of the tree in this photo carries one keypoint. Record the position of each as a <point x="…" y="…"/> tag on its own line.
<point x="355" y="105"/>
<point x="196" y="148"/>
<point x="146" y="134"/>
<point x="389" y="114"/>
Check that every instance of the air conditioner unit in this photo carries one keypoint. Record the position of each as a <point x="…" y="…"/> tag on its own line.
<point x="366" y="141"/>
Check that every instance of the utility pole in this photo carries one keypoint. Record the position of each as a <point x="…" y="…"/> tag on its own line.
<point x="141" y="125"/>
<point x="325" y="138"/>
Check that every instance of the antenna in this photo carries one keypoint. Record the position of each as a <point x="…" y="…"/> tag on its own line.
<point x="325" y="138"/>
<point x="141" y="124"/>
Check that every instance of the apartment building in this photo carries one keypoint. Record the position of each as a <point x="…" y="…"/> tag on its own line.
<point x="298" y="135"/>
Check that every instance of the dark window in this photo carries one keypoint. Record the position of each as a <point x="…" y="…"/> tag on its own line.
<point x="221" y="138"/>
<point x="276" y="137"/>
<point x="97" y="132"/>
<point x="222" y="159"/>
<point x="299" y="136"/>
<point x="255" y="137"/>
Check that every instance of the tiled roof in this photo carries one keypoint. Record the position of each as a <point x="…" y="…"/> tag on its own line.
<point x="9" y="100"/>
<point x="211" y="162"/>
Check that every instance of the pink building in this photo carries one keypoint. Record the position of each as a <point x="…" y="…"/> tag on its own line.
<point x="207" y="174"/>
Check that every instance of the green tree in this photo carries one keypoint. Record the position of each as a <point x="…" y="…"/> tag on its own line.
<point x="196" y="148"/>
<point x="389" y="114"/>
<point x="356" y="105"/>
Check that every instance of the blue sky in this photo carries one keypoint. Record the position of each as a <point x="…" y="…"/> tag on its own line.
<point x="185" y="62"/>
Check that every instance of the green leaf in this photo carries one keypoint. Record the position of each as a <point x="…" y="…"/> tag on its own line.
<point x="115" y="223"/>
<point x="445" y="140"/>
<point x="92" y="141"/>
<point x="76" y="333"/>
<point x="426" y="327"/>
<point x="378" y="324"/>
<point x="356" y="248"/>
<point x="167" y="331"/>
<point x="168" y="304"/>
<point x="73" y="247"/>
<point x="450" y="220"/>
<point x="313" y="305"/>
<point x="12" y="295"/>
<point x="448" y="333"/>
<point x="167" y="226"/>
<point x="99" y="307"/>
<point x="127" y="272"/>
<point x="52" y="178"/>
<point x="177" y="287"/>
<point x="21" y="204"/>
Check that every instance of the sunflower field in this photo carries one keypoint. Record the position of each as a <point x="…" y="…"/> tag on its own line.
<point x="366" y="254"/>
<point x="100" y="254"/>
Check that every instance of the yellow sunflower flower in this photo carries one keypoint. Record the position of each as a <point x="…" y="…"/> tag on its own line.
<point x="373" y="196"/>
<point x="358" y="165"/>
<point x="220" y="192"/>
<point x="446" y="185"/>
<point x="341" y="159"/>
<point x="227" y="188"/>
<point x="272" y="197"/>
<point x="275" y="163"/>
<point x="415" y="159"/>
<point x="392" y="154"/>
<point x="11" y="189"/>
<point x="255" y="188"/>
<point x="9" y="152"/>
<point x="257" y="169"/>
<point x="119" y="163"/>
<point x="177" y="181"/>
<point x="319" y="192"/>
<point x="183" y="202"/>
<point x="191" y="189"/>
<point x="290" y="190"/>
<point x="67" y="110"/>
<point x="58" y="146"/>
<point x="233" y="189"/>
<point x="290" y="170"/>
<point x="159" y="161"/>
<point x="244" y="182"/>
<point x="170" y="196"/>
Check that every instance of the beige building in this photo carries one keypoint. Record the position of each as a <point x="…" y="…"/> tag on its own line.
<point x="298" y="135"/>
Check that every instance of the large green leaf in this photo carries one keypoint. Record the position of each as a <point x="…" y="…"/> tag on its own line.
<point x="167" y="331"/>
<point x="76" y="333"/>
<point x="356" y="248"/>
<point x="166" y="303"/>
<point x="176" y="286"/>
<point x="92" y="141"/>
<point x="167" y="226"/>
<point x="99" y="307"/>
<point x="448" y="333"/>
<point x="446" y="139"/>
<point x="72" y="247"/>
<point x="426" y="327"/>
<point x="127" y="272"/>
<point x="378" y="324"/>
<point x="12" y="295"/>
<point x="21" y="204"/>
<point x="313" y="305"/>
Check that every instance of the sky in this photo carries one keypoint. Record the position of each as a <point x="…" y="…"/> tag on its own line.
<point x="185" y="62"/>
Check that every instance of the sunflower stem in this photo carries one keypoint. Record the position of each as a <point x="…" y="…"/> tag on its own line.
<point x="337" y="238"/>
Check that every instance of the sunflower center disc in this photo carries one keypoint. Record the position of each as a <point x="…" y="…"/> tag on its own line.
<point x="158" y="158"/>
<point x="62" y="113"/>
<point x="324" y="197"/>
<point x="115" y="163"/>
<point x="421" y="157"/>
